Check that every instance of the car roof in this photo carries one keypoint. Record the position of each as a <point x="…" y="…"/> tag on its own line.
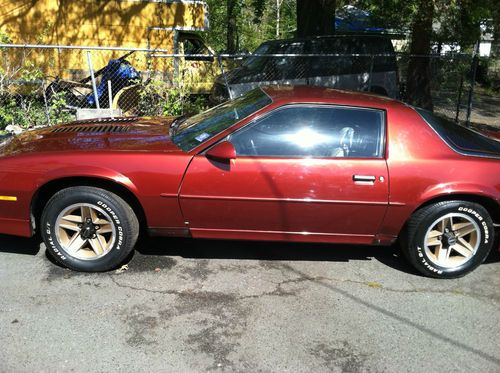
<point x="310" y="94"/>
<point x="336" y="36"/>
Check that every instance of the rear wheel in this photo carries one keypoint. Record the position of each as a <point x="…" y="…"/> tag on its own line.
<point x="89" y="229"/>
<point x="449" y="239"/>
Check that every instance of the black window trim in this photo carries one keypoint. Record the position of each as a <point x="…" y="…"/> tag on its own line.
<point x="383" y="133"/>
<point x="455" y="148"/>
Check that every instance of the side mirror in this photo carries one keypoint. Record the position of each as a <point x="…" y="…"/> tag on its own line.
<point x="222" y="152"/>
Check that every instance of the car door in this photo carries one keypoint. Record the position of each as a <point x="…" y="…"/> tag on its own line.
<point x="302" y="172"/>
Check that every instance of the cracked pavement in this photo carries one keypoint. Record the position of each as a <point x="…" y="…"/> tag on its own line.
<point x="198" y="306"/>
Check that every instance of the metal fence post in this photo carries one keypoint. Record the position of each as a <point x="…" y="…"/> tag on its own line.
<point x="475" y="61"/>
<point x="459" y="97"/>
<point x="94" y="86"/>
<point x="225" y="77"/>
<point x="371" y="73"/>
<point x="46" y="103"/>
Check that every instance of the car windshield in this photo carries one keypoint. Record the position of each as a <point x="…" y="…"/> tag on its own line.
<point x="459" y="138"/>
<point x="202" y="127"/>
<point x="259" y="62"/>
<point x="254" y="62"/>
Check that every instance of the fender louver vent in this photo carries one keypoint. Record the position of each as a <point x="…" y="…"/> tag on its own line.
<point x="92" y="129"/>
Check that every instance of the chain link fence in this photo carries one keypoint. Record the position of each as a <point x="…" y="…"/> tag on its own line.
<point x="450" y="83"/>
<point x="46" y="85"/>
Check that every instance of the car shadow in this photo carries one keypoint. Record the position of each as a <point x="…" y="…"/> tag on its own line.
<point x="390" y="256"/>
<point x="19" y="245"/>
<point x="272" y="251"/>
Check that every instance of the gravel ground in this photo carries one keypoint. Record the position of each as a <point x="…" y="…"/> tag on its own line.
<point x="486" y="110"/>
<point x="197" y="306"/>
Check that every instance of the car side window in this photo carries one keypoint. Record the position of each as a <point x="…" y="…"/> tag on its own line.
<point x="318" y="131"/>
<point x="286" y="67"/>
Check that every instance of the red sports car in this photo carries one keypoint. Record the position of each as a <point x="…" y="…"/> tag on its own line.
<point x="283" y="163"/>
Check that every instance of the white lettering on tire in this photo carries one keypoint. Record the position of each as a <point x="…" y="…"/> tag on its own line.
<point x="481" y="220"/>
<point x="52" y="243"/>
<point x="426" y="263"/>
<point x="114" y="216"/>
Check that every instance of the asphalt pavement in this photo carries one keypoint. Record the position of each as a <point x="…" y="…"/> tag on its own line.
<point x="198" y="306"/>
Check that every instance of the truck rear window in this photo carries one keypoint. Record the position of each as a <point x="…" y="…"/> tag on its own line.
<point x="461" y="139"/>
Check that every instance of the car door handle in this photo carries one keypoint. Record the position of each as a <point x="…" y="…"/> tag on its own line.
<point x="364" y="178"/>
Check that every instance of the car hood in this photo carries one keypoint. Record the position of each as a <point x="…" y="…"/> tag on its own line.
<point x="121" y="134"/>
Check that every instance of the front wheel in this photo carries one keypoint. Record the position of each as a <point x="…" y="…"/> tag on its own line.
<point x="89" y="229"/>
<point x="449" y="239"/>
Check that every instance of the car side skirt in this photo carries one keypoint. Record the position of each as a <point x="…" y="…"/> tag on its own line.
<point x="169" y="232"/>
<point x="15" y="227"/>
<point x="281" y="236"/>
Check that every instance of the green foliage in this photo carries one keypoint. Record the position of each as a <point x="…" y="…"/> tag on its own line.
<point x="488" y="74"/>
<point x="29" y="110"/>
<point x="57" y="109"/>
<point x="256" y="22"/>
<point x="157" y="97"/>
<point x="24" y="111"/>
<point x="455" y="21"/>
<point x="7" y="115"/>
<point x="30" y="73"/>
<point x="22" y="85"/>
<point x="4" y="38"/>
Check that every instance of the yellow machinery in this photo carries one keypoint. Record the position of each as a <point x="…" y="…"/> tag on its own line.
<point x="162" y="25"/>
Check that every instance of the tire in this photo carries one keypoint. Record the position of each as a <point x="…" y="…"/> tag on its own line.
<point x="448" y="239"/>
<point x="89" y="229"/>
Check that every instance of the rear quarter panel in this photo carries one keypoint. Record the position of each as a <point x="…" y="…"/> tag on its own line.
<point x="422" y="167"/>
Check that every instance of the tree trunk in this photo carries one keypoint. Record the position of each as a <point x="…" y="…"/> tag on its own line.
<point x="315" y="17"/>
<point x="495" y="45"/>
<point x="278" y="17"/>
<point x="232" y="32"/>
<point x="418" y="82"/>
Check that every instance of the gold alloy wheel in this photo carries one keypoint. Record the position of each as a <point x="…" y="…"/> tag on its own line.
<point x="85" y="231"/>
<point x="452" y="240"/>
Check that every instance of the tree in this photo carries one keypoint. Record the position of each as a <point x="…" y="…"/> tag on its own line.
<point x="279" y="3"/>
<point x="232" y="30"/>
<point x="495" y="46"/>
<point x="315" y="17"/>
<point x="279" y="14"/>
<point x="418" y="87"/>
<point x="252" y="22"/>
<point x="457" y="22"/>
